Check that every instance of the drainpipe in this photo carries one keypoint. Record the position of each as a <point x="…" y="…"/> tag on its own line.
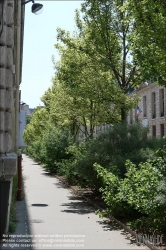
<point x="18" y="48"/>
<point x="19" y="164"/>
<point x="18" y="79"/>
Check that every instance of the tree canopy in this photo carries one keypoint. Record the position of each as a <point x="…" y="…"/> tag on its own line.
<point x="149" y="44"/>
<point x="37" y="126"/>
<point x="117" y="45"/>
<point x="106" y="29"/>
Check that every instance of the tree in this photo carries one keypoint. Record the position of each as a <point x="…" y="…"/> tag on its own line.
<point x="91" y="88"/>
<point x="83" y="95"/>
<point x="149" y="43"/>
<point x="38" y="124"/>
<point x="69" y="108"/>
<point x="28" y="119"/>
<point x="106" y="29"/>
<point x="60" y="105"/>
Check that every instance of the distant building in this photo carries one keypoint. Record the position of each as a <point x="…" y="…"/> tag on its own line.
<point x="24" y="112"/>
<point x="151" y="109"/>
<point x="31" y="110"/>
<point x="25" y="107"/>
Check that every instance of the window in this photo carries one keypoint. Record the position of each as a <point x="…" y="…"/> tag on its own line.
<point x="161" y="102"/>
<point x="161" y="130"/>
<point x="153" y="131"/>
<point x="153" y="105"/>
<point x="144" y="107"/>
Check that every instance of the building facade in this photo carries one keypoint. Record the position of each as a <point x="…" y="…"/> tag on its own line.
<point x="151" y="109"/>
<point x="11" y="51"/>
<point x="24" y="112"/>
<point x="22" y="126"/>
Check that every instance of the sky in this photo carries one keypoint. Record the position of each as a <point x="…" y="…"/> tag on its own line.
<point x="39" y="39"/>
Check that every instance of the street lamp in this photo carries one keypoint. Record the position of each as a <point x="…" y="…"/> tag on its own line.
<point x="37" y="8"/>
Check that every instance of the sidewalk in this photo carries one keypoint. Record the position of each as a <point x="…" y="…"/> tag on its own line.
<point x="52" y="217"/>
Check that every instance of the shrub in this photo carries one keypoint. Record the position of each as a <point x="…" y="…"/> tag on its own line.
<point x="111" y="149"/>
<point x="140" y="187"/>
<point x="142" y="191"/>
<point x="110" y="192"/>
<point x="36" y="151"/>
<point x="56" y="141"/>
<point x="68" y="167"/>
<point x="50" y="150"/>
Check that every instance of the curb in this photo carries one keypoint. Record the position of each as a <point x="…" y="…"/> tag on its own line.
<point x="126" y="228"/>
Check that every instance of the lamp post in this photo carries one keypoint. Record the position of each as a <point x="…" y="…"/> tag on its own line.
<point x="37" y="8"/>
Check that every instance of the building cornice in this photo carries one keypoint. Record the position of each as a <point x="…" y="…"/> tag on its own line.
<point x="147" y="88"/>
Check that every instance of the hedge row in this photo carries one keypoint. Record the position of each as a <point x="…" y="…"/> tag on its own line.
<point x="121" y="163"/>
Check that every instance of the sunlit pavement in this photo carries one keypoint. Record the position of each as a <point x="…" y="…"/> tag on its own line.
<point x="52" y="217"/>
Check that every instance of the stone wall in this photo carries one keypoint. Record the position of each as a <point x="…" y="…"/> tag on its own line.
<point x="6" y="75"/>
<point x="8" y="150"/>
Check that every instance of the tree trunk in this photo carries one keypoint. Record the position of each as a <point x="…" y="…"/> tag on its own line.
<point x="91" y="120"/>
<point x="123" y="115"/>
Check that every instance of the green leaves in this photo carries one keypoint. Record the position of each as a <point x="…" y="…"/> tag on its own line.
<point x="96" y="61"/>
<point x="149" y="38"/>
<point x="141" y="190"/>
<point x="37" y="126"/>
<point x="140" y="187"/>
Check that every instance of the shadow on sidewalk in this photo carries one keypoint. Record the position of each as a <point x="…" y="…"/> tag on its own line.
<point x="78" y="206"/>
<point x="22" y="238"/>
<point x="74" y="204"/>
